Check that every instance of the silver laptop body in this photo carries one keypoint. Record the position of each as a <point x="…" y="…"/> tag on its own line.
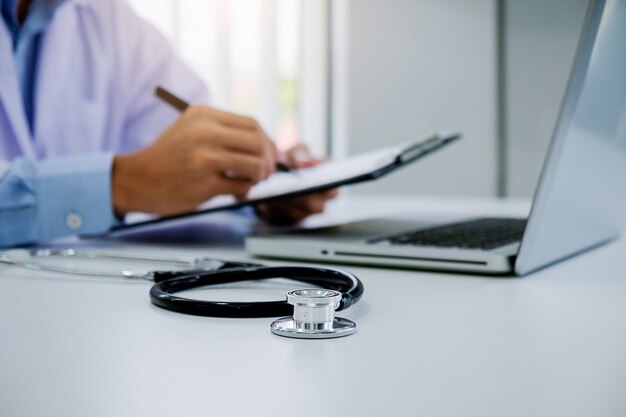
<point x="580" y="201"/>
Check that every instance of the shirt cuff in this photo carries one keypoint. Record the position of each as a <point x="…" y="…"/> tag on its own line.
<point x="74" y="196"/>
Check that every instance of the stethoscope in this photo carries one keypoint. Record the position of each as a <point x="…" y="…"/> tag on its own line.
<point x="310" y="313"/>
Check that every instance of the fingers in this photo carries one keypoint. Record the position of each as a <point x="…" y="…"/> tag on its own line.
<point x="234" y="140"/>
<point x="311" y="204"/>
<point x="210" y="187"/>
<point x="237" y="121"/>
<point x="295" y="210"/>
<point x="237" y="188"/>
<point x="241" y="166"/>
<point x="314" y="202"/>
<point x="237" y="134"/>
<point x="282" y="214"/>
<point x="330" y="194"/>
<point x="300" y="157"/>
<point x="272" y="154"/>
<point x="224" y="118"/>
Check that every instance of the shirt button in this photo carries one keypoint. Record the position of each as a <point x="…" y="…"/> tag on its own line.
<point x="74" y="221"/>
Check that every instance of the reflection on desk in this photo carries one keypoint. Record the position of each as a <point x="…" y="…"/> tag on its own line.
<point x="431" y="344"/>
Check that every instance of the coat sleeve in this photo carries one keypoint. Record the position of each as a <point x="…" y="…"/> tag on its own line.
<point x="42" y="200"/>
<point x="144" y="60"/>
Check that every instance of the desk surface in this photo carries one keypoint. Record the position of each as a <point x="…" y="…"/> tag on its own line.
<point x="431" y="344"/>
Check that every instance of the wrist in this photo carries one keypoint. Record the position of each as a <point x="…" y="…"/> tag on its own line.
<point x="122" y="184"/>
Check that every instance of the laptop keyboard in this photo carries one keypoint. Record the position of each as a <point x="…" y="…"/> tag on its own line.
<point x="484" y="233"/>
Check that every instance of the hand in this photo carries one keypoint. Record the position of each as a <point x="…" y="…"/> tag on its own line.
<point x="205" y="153"/>
<point x="294" y="210"/>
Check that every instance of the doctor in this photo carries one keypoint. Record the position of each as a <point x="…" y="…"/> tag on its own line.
<point x="83" y="141"/>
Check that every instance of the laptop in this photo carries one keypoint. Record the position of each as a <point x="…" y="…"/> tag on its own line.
<point x="580" y="201"/>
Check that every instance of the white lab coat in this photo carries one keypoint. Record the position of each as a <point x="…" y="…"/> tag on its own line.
<point x="98" y="66"/>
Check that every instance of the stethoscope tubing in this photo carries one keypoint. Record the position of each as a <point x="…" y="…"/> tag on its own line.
<point x="167" y="283"/>
<point x="162" y="292"/>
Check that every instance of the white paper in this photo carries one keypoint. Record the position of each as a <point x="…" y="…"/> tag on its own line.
<point x="325" y="173"/>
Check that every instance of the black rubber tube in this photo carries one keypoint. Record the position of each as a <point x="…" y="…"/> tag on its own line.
<point x="162" y="293"/>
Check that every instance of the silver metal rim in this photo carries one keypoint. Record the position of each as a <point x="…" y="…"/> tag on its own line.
<point x="286" y="327"/>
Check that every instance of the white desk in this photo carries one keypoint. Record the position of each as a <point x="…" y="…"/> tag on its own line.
<point x="429" y="344"/>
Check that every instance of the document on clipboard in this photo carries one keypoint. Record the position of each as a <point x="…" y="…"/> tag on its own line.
<point x="339" y="172"/>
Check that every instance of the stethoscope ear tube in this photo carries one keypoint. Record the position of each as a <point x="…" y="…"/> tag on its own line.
<point x="162" y="293"/>
<point x="159" y="276"/>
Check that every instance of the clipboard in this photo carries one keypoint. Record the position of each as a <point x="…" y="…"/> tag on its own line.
<point x="340" y="172"/>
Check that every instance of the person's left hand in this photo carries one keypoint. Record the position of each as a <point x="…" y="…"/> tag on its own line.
<point x="294" y="210"/>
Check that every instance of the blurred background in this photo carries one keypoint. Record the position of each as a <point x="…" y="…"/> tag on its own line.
<point x="345" y="76"/>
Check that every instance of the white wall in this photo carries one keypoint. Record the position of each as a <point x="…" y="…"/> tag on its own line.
<point x="541" y="39"/>
<point x="405" y="67"/>
<point x="408" y="67"/>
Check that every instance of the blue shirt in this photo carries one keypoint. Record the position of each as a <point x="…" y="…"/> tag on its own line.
<point x="26" y="40"/>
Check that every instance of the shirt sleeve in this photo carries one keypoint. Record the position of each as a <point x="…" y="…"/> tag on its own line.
<point x="43" y="200"/>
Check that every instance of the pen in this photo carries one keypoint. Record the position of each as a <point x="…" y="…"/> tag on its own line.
<point x="181" y="106"/>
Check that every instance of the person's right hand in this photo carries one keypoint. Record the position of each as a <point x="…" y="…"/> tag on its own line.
<point x="205" y="153"/>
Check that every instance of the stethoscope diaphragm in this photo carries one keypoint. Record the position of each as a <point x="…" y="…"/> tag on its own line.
<point x="313" y="316"/>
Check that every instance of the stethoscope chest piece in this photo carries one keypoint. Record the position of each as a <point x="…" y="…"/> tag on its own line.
<point x="313" y="316"/>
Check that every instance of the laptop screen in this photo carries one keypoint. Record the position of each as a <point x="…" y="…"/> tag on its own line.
<point x="580" y="201"/>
